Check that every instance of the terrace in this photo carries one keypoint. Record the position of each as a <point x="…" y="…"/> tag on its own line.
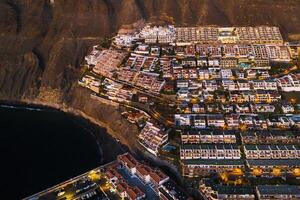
<point x="152" y="137"/>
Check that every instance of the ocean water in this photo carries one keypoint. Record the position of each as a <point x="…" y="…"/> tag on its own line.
<point x="41" y="147"/>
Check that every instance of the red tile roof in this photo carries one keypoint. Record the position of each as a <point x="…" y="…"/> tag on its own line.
<point x="128" y="159"/>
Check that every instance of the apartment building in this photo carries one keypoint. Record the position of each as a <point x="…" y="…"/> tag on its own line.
<point x="243" y="85"/>
<point x="270" y="137"/>
<point x="272" y="151"/>
<point x="206" y="136"/>
<point x="242" y="97"/>
<point x="259" y="35"/>
<point x="158" y="34"/>
<point x="190" y="35"/>
<point x="216" y="120"/>
<point x="147" y="174"/>
<point x="202" y="167"/>
<point x="214" y="191"/>
<point x="289" y="82"/>
<point x="287" y="108"/>
<point x="262" y="108"/>
<point x="267" y="96"/>
<point x="231" y="62"/>
<point x="232" y="121"/>
<point x="226" y="73"/>
<point x="210" y="151"/>
<point x="210" y="85"/>
<point x="152" y="137"/>
<point x="283" y="192"/>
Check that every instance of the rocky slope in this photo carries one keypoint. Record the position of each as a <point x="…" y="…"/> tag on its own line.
<point x="43" y="42"/>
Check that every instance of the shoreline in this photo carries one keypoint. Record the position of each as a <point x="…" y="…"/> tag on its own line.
<point x="137" y="151"/>
<point x="55" y="145"/>
<point x="70" y="111"/>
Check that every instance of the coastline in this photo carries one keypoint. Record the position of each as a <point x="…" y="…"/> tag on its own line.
<point x="50" y="146"/>
<point x="136" y="150"/>
<point x="71" y="111"/>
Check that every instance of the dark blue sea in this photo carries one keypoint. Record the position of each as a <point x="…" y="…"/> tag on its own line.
<point x="40" y="147"/>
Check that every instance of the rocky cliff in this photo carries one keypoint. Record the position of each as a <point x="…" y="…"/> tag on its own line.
<point x="43" y="42"/>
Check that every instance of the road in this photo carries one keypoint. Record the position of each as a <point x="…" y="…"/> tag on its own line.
<point x="64" y="184"/>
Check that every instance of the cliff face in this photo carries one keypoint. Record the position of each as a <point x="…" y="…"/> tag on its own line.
<point x="42" y="44"/>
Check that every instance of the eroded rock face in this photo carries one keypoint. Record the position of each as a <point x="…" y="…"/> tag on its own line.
<point x="43" y="42"/>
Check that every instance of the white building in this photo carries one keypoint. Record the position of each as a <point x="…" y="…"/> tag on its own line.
<point x="209" y="151"/>
<point x="286" y="108"/>
<point x="272" y="151"/>
<point x="152" y="137"/>
<point x="160" y="34"/>
<point x="289" y="82"/>
<point x="226" y="73"/>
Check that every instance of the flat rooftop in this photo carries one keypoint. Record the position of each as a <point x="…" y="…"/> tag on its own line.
<point x="278" y="189"/>
<point x="212" y="162"/>
<point x="283" y="162"/>
<point x="238" y="190"/>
